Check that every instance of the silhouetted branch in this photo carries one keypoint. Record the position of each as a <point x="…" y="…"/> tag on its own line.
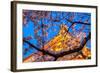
<point x="76" y="49"/>
<point x="62" y="53"/>
<point x="76" y="22"/>
<point x="41" y="50"/>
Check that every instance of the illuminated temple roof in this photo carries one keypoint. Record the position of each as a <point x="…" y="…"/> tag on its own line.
<point x="63" y="41"/>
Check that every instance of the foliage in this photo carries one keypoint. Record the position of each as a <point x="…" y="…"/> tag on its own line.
<point x="54" y="35"/>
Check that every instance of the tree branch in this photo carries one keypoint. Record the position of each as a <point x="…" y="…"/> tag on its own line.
<point x="76" y="49"/>
<point x="41" y="50"/>
<point x="62" y="53"/>
<point x="77" y="23"/>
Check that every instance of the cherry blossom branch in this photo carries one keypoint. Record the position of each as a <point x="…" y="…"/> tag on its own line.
<point x="62" y="53"/>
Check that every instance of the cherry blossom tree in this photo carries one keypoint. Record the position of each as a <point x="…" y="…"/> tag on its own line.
<point x="45" y="23"/>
